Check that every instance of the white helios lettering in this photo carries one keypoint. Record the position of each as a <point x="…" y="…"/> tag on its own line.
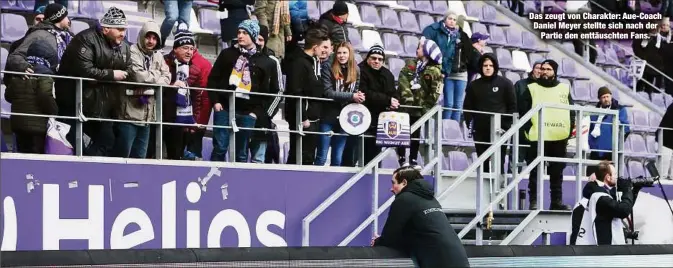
<point x="131" y="215"/>
<point x="55" y="229"/>
<point x="9" y="224"/>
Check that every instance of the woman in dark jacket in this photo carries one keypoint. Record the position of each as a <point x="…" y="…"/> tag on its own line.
<point x="417" y="226"/>
<point x="342" y="81"/>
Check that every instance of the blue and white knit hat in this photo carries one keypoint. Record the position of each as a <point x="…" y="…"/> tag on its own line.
<point x="431" y="50"/>
<point x="252" y="27"/>
<point x="182" y="36"/>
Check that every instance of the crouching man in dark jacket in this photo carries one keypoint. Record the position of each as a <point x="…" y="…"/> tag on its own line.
<point x="417" y="226"/>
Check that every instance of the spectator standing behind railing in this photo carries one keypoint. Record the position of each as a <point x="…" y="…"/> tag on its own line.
<point x="341" y="80"/>
<point x="244" y="69"/>
<point x="420" y="84"/>
<point x="188" y="68"/>
<point x="652" y="51"/>
<point x="179" y="11"/>
<point x="266" y="142"/>
<point x="490" y="93"/>
<point x="475" y="52"/>
<point x="33" y="96"/>
<point x="335" y="20"/>
<point x="275" y="15"/>
<point x="558" y="126"/>
<point x="138" y="103"/>
<point x="98" y="53"/>
<point x="378" y="85"/>
<point x="237" y="12"/>
<point x="520" y="88"/>
<point x="455" y="46"/>
<point x="600" y="129"/>
<point x="303" y="79"/>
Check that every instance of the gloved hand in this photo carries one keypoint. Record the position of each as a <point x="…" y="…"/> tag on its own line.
<point x="624" y="185"/>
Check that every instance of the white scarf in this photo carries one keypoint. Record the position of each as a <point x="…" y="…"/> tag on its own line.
<point x="596" y="132"/>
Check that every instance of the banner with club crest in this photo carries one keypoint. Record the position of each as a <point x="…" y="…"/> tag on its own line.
<point x="393" y="130"/>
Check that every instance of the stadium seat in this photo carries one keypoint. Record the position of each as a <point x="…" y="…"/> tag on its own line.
<point x="209" y="21"/>
<point x="643" y="95"/>
<point x="424" y="20"/>
<point x="132" y="33"/>
<point x="497" y="37"/>
<point x="459" y="8"/>
<point x="490" y="16"/>
<point x="658" y="100"/>
<point x="390" y="20"/>
<point x="370" y="38"/>
<point x="13" y="27"/>
<point x="313" y="10"/>
<point x="78" y="26"/>
<point x="635" y="168"/>
<point x="424" y="6"/>
<point x="504" y="59"/>
<point x="3" y="60"/>
<point x="5" y="106"/>
<point x="480" y="28"/>
<point x="638" y="147"/>
<point x="655" y="120"/>
<point x="325" y="6"/>
<point x="532" y="58"/>
<point x="551" y="6"/>
<point x="440" y="7"/>
<point x="451" y="134"/>
<point x="581" y="92"/>
<point x="457" y="161"/>
<point x="371" y="16"/>
<point x="488" y="49"/>
<point x="512" y="76"/>
<point x="358" y="58"/>
<point x="392" y="42"/>
<point x="520" y="61"/>
<point x="513" y="37"/>
<point x="410" y="43"/>
<point x="530" y="43"/>
<point x="570" y="170"/>
<point x="356" y="40"/>
<point x="395" y="65"/>
<point x="473" y="10"/>
<point x="652" y="146"/>
<point x="567" y="69"/>
<point x="9" y="5"/>
<point x="409" y="22"/>
<point x="355" y="18"/>
<point x="91" y="9"/>
<point x="669" y="99"/>
<point x="409" y="4"/>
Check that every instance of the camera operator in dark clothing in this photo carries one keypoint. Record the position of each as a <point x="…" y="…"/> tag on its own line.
<point x="417" y="226"/>
<point x="597" y="220"/>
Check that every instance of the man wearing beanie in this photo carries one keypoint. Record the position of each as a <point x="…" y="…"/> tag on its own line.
<point x="241" y="68"/>
<point x="188" y="69"/>
<point x="98" y="53"/>
<point x="420" y="84"/>
<point x="600" y="129"/>
<point x="138" y="102"/>
<point x="378" y="84"/>
<point x="558" y="127"/>
<point x="53" y="30"/>
<point x="335" y="20"/>
<point x="33" y="96"/>
<point x="490" y="93"/>
<point x="474" y="54"/>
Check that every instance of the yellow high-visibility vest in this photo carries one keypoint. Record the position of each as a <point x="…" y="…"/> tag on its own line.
<point x="556" y="121"/>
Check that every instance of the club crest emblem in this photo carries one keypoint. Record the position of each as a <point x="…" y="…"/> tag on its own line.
<point x="355" y="118"/>
<point x="392" y="129"/>
<point x="495" y="89"/>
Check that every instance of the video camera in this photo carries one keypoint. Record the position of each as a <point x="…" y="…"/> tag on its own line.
<point x="642" y="181"/>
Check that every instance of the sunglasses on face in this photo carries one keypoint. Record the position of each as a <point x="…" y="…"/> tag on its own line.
<point x="376" y="59"/>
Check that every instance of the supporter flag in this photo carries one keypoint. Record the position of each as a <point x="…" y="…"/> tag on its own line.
<point x="638" y="67"/>
<point x="355" y="119"/>
<point x="393" y="130"/>
<point x="55" y="142"/>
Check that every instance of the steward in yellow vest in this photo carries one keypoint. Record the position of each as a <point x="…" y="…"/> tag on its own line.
<point x="557" y="128"/>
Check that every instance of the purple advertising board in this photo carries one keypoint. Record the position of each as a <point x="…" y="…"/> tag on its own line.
<point x="52" y="205"/>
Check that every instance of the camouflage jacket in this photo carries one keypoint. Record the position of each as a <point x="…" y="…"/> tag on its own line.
<point x="431" y="82"/>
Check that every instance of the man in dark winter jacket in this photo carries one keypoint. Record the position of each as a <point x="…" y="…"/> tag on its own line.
<point x="520" y="87"/>
<point x="335" y="20"/>
<point x="597" y="218"/>
<point x="99" y="53"/>
<point x="378" y="84"/>
<point x="238" y="11"/>
<point x="264" y="144"/>
<point x="600" y="129"/>
<point x="53" y="30"/>
<point x="490" y="93"/>
<point x="474" y="54"/>
<point x="33" y="96"/>
<point x="303" y="79"/>
<point x="558" y="127"/>
<point x="417" y="226"/>
<point x="241" y="68"/>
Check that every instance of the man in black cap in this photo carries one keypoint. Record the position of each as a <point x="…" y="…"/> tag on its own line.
<point x="558" y="126"/>
<point x="335" y="21"/>
<point x="378" y="84"/>
<point x="53" y="30"/>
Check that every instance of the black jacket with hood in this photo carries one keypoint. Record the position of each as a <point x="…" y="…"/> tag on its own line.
<point x="607" y="208"/>
<point x="338" y="33"/>
<point x="493" y="94"/>
<point x="525" y="102"/>
<point x="521" y="86"/>
<point x="379" y="88"/>
<point x="417" y="226"/>
<point x="91" y="55"/>
<point x="262" y="71"/>
<point x="303" y="79"/>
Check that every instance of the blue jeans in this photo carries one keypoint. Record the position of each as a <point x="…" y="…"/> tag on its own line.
<point x="131" y="140"/>
<point x="221" y="136"/>
<point x="454" y="92"/>
<point x="338" y="144"/>
<point x="176" y="10"/>
<point x="258" y="151"/>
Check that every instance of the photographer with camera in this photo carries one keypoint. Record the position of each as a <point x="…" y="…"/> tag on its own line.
<point x="597" y="219"/>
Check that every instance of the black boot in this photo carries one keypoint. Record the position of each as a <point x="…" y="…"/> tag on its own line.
<point x="532" y="197"/>
<point x="557" y="202"/>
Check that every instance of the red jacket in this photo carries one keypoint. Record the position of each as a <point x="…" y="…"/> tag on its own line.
<point x="199" y="70"/>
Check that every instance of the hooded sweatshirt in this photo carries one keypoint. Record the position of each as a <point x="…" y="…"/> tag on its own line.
<point x="493" y="94"/>
<point x="417" y="226"/>
<point x="147" y="66"/>
<point x="303" y="79"/>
